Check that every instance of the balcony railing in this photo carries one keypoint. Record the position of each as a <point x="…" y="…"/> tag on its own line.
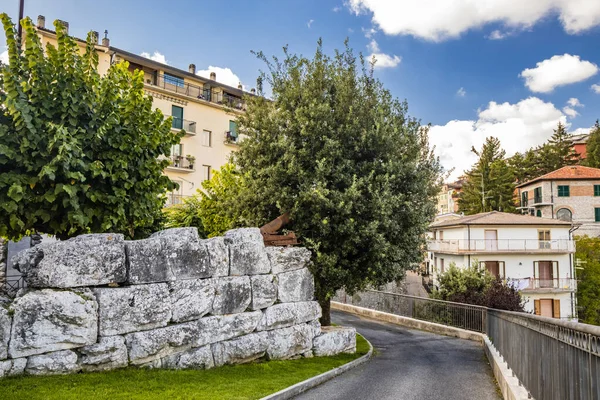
<point x="199" y="92"/>
<point x="188" y="126"/>
<point x="181" y="163"/>
<point x="502" y="245"/>
<point x="174" y="199"/>
<point x="230" y="138"/>
<point x="535" y="284"/>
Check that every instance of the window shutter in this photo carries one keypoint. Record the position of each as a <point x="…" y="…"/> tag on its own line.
<point x="556" y="310"/>
<point x="555" y="272"/>
<point x="536" y="307"/>
<point x="597" y="214"/>
<point x="536" y="269"/>
<point x="502" y="270"/>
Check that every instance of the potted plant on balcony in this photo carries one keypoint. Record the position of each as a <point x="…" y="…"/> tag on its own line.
<point x="190" y="160"/>
<point x="176" y="161"/>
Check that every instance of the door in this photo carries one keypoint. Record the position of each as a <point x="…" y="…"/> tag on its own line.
<point x="546" y="274"/>
<point x="177" y="114"/>
<point x="493" y="267"/>
<point x="491" y="240"/>
<point x="546" y="308"/>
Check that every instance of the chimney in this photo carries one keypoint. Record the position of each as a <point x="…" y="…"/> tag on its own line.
<point x="106" y="40"/>
<point x="41" y="22"/>
<point x="253" y="91"/>
<point x="96" y="37"/>
<point x="192" y="69"/>
<point x="65" y="24"/>
<point x="213" y="76"/>
<point x="240" y="86"/>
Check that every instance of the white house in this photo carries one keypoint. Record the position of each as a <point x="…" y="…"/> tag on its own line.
<point x="535" y="254"/>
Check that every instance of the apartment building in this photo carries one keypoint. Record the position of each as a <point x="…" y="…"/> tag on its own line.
<point x="570" y="193"/>
<point x="202" y="107"/>
<point x="447" y="199"/>
<point x="535" y="255"/>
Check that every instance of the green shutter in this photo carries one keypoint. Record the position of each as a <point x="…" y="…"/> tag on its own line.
<point x="177" y="114"/>
<point x="563" y="191"/>
<point x="538" y="213"/>
<point x="596" y="190"/>
<point x="233" y="129"/>
<point x="597" y="214"/>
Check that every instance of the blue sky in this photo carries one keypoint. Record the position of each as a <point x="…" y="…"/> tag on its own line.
<point x="462" y="65"/>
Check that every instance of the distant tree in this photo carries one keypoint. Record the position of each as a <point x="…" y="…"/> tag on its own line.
<point x="588" y="280"/>
<point x="525" y="165"/>
<point x="558" y="152"/>
<point x="490" y="183"/>
<point x="474" y="285"/>
<point x="593" y="147"/>
<point x="341" y="155"/>
<point x="79" y="152"/>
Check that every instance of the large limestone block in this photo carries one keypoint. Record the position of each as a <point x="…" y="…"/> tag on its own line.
<point x="247" y="254"/>
<point x="50" y="320"/>
<point x="191" y="299"/>
<point x="58" y="362"/>
<point x="334" y="340"/>
<point x="289" y="342"/>
<point x="219" y="255"/>
<point x="134" y="308"/>
<point x="146" y="346"/>
<point x="241" y="350"/>
<point x="285" y="259"/>
<point x="85" y="260"/>
<point x="264" y="291"/>
<point x="298" y="285"/>
<point x="198" y="358"/>
<point x="288" y="314"/>
<point x="168" y="255"/>
<point x="109" y="353"/>
<point x="233" y="295"/>
<point x="5" y="324"/>
<point x="12" y="367"/>
<point x="316" y="327"/>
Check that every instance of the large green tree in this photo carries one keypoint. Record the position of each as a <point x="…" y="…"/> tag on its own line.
<point x="593" y="147"/>
<point x="490" y="183"/>
<point x="341" y="155"/>
<point x="78" y="152"/>
<point x="588" y="279"/>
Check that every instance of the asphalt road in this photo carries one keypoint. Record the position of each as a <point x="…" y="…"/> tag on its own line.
<point x="410" y="365"/>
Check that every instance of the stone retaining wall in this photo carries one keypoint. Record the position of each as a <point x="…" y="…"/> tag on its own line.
<point x="99" y="302"/>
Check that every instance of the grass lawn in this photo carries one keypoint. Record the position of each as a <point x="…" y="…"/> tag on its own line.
<point x="247" y="381"/>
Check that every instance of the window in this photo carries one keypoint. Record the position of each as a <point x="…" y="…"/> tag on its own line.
<point x="544" y="239"/>
<point x="177" y="114"/>
<point x="545" y="274"/>
<point x="176" y="196"/>
<point x="538" y="213"/>
<point x="596" y="190"/>
<point x="495" y="268"/>
<point x="205" y="172"/>
<point x="442" y="265"/>
<point x="537" y="195"/>
<point x="206" y="138"/>
<point x="233" y="129"/>
<point x="524" y="199"/>
<point x="441" y="235"/>
<point x="563" y="190"/>
<point x="176" y="155"/>
<point x="547" y="307"/>
<point x="173" y="80"/>
<point x="564" y="214"/>
<point x="597" y="214"/>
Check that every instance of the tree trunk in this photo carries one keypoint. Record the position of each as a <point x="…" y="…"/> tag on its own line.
<point x="326" y="308"/>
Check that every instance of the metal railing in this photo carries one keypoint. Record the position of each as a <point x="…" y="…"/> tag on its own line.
<point x="180" y="162"/>
<point x="231" y="139"/>
<point x="566" y="284"/>
<point x="553" y="359"/>
<point x="188" y="126"/>
<point x="199" y="92"/>
<point x="504" y="245"/>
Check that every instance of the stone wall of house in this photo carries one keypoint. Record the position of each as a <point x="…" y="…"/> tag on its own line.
<point x="3" y="262"/>
<point x="99" y="302"/>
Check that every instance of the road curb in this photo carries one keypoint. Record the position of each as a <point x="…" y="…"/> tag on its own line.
<point x="310" y="383"/>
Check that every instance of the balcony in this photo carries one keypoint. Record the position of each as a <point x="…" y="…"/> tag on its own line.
<point x="181" y="164"/>
<point x="183" y="124"/>
<point x="175" y="199"/>
<point x="544" y="285"/>
<point x="491" y="246"/>
<point x="232" y="139"/>
<point x="198" y="92"/>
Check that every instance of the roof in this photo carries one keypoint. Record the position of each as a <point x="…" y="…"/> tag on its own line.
<point x="499" y="218"/>
<point x="580" y="139"/>
<point x="571" y="172"/>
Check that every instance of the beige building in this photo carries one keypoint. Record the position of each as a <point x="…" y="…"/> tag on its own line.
<point x="570" y="193"/>
<point x="447" y="199"/>
<point x="204" y="108"/>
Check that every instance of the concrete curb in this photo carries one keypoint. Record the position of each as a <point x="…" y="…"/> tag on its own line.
<point x="508" y="384"/>
<point x="310" y="383"/>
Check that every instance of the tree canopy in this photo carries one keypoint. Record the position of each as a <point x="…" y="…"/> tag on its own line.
<point x="79" y="152"/>
<point x="341" y="155"/>
<point x="593" y="147"/>
<point x="489" y="185"/>
<point x="588" y="279"/>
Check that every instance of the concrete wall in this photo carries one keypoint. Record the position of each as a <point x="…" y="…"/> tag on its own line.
<point x="98" y="302"/>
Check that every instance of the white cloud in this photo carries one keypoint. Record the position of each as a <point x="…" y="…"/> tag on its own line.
<point x="519" y="126"/>
<point x="596" y="88"/>
<point x="385" y="60"/>
<point x="369" y="32"/>
<point x="4" y="57"/>
<point x="461" y="92"/>
<point x="373" y="46"/>
<point x="571" y="112"/>
<point x="309" y="23"/>
<point x="224" y="75"/>
<point x="573" y="102"/>
<point x="580" y="131"/>
<point x="437" y="20"/>
<point x="497" y="35"/>
<point x="336" y="9"/>
<point x="350" y="30"/>
<point x="158" y="57"/>
<point x="557" y="71"/>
